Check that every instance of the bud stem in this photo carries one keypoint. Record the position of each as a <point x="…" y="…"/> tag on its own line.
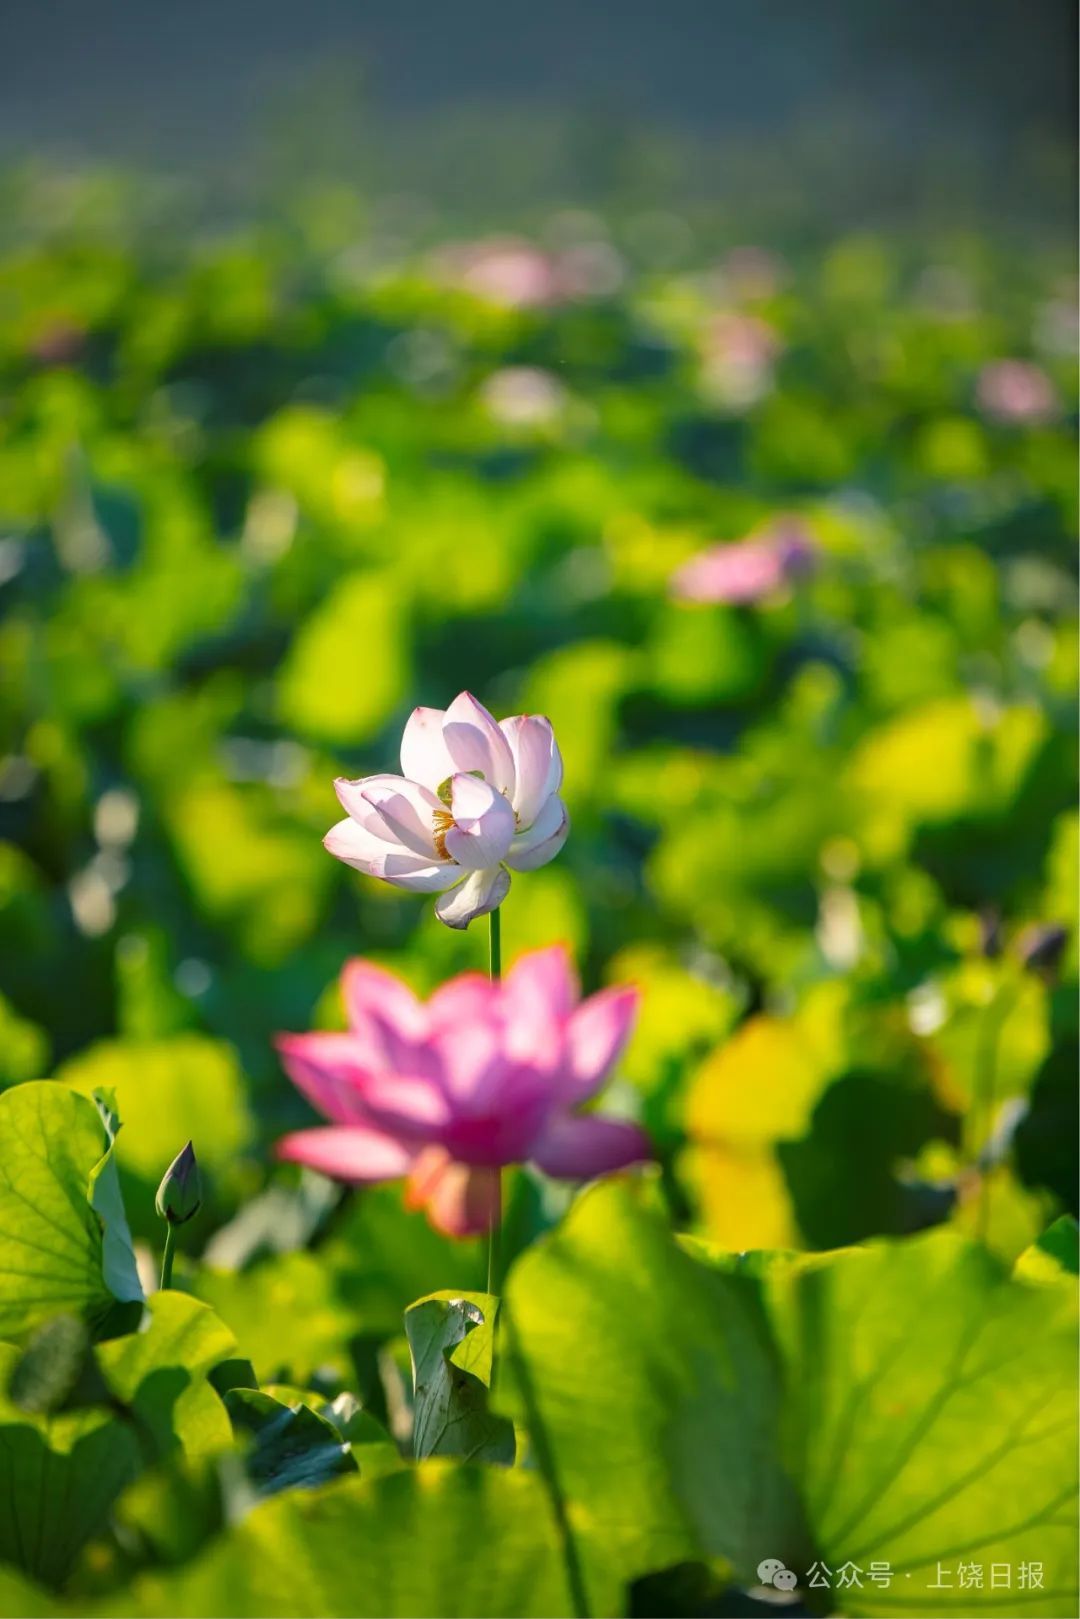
<point x="167" y="1256"/>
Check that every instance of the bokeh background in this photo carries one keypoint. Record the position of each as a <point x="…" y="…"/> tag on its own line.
<point x="353" y="356"/>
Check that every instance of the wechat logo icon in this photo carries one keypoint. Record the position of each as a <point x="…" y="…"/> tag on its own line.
<point x="772" y="1572"/>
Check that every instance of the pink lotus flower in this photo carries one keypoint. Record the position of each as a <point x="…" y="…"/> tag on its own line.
<point x="753" y="272"/>
<point x="474" y="799"/>
<point x="1016" y="391"/>
<point x="505" y="270"/>
<point x="739" y="353"/>
<point x="746" y="570"/>
<point x="524" y="396"/>
<point x="514" y="273"/>
<point x="485" y="1074"/>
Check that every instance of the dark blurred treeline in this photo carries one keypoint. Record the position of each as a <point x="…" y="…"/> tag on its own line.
<point x="798" y="119"/>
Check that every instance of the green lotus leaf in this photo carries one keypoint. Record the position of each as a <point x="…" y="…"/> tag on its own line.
<point x="64" y="1241"/>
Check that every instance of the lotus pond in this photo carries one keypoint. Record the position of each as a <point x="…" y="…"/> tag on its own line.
<point x="783" y="550"/>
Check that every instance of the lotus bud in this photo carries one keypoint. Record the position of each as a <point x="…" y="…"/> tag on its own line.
<point x="1041" y="948"/>
<point x="179" y="1196"/>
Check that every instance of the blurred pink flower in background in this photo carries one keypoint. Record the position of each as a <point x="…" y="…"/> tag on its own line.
<point x="753" y="272"/>
<point x="946" y="292"/>
<point x="523" y="396"/>
<point x="747" y="570"/>
<point x="449" y="1091"/>
<point x="738" y="353"/>
<point x="590" y="270"/>
<point x="1057" y="322"/>
<point x="62" y="342"/>
<point x="518" y="274"/>
<point x="475" y="800"/>
<point x="505" y="270"/>
<point x="1016" y="391"/>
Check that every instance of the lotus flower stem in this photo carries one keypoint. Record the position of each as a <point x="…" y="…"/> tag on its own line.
<point x="412" y="1071"/>
<point x="495" y="945"/>
<point x="493" y="1237"/>
<point x="494" y="973"/>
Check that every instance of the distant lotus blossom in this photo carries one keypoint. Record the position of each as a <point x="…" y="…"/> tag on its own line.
<point x="1057" y="324"/>
<point x="448" y="1092"/>
<point x="1042" y="945"/>
<point x="61" y="343"/>
<point x="946" y="292"/>
<point x="523" y="396"/>
<point x="505" y="270"/>
<point x="747" y="570"/>
<point x="738" y="355"/>
<point x="475" y="801"/>
<point x="589" y="270"/>
<point x="1016" y="391"/>
<point x="753" y="272"/>
<point x="516" y="273"/>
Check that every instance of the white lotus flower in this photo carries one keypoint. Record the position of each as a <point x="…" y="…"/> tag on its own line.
<point x="475" y="800"/>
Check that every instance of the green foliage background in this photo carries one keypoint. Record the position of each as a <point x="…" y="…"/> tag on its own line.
<point x="257" y="499"/>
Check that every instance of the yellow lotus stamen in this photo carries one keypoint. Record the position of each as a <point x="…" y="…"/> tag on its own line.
<point x="442" y="821"/>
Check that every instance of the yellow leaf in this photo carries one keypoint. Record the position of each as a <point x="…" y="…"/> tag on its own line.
<point x="758" y="1088"/>
<point x="743" y="1197"/>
